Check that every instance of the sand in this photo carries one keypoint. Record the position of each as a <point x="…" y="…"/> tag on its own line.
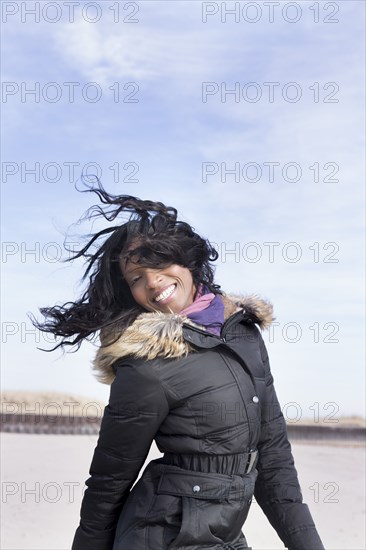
<point x="43" y="481"/>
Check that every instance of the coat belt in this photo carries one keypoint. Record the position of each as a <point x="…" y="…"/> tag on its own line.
<point x="241" y="464"/>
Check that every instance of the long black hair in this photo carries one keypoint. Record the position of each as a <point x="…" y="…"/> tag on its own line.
<point x="161" y="240"/>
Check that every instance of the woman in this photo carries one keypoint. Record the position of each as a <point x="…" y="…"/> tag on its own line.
<point x="187" y="367"/>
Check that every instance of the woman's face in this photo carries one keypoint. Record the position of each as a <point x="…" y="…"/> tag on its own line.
<point x="167" y="289"/>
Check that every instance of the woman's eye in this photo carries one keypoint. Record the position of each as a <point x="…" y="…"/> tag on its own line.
<point x="134" y="281"/>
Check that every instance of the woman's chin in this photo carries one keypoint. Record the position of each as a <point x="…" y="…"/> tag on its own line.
<point x="169" y="308"/>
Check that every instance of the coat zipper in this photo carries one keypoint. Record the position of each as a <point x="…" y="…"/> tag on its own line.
<point x="222" y="339"/>
<point x="239" y="388"/>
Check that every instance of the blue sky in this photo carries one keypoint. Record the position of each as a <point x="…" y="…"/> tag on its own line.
<point x="312" y="128"/>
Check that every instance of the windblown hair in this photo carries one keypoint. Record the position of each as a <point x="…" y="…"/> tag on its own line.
<point x="161" y="240"/>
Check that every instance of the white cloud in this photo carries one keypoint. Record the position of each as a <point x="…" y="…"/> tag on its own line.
<point x="106" y="54"/>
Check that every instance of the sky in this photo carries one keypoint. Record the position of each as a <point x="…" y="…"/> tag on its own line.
<point x="248" y="117"/>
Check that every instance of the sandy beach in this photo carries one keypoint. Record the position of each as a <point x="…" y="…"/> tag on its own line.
<point x="43" y="481"/>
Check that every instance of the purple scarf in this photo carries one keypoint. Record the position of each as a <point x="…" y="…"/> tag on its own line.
<point x="207" y="310"/>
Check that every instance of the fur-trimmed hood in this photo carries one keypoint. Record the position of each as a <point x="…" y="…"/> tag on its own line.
<point x="157" y="334"/>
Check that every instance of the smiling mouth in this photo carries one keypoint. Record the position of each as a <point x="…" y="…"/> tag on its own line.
<point x="166" y="293"/>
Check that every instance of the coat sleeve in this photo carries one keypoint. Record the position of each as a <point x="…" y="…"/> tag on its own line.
<point x="277" y="489"/>
<point x="137" y="407"/>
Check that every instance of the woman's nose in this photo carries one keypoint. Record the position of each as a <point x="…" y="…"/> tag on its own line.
<point x="152" y="279"/>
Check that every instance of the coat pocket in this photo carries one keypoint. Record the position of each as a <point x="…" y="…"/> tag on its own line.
<point x="202" y="504"/>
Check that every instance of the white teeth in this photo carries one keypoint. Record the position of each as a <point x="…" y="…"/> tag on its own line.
<point x="165" y="294"/>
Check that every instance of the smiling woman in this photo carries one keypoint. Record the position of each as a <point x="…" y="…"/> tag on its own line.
<point x="168" y="289"/>
<point x="178" y="353"/>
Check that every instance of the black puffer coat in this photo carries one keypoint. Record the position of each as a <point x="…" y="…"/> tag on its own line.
<point x="211" y="407"/>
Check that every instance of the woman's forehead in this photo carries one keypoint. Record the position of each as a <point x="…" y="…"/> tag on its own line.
<point x="128" y="253"/>
<point x="128" y="265"/>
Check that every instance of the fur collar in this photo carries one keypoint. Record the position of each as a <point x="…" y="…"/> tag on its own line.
<point x="156" y="334"/>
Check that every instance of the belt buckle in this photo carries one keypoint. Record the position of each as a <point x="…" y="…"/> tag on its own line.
<point x="251" y="459"/>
